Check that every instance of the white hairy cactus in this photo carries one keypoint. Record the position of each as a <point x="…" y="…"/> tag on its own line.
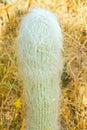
<point x="40" y="64"/>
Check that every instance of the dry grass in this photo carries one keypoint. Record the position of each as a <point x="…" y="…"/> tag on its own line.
<point x="73" y="18"/>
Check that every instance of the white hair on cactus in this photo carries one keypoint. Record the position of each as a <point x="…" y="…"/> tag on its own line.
<point x="40" y="64"/>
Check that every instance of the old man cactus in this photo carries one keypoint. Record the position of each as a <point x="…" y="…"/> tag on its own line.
<point x="39" y="45"/>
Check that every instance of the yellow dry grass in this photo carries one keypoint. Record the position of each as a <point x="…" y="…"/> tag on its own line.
<point x="72" y="15"/>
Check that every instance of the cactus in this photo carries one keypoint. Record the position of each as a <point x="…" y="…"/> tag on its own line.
<point x="40" y="63"/>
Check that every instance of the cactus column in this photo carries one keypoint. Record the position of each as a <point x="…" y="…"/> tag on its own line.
<point x="40" y="63"/>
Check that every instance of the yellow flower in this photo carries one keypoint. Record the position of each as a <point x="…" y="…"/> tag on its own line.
<point x="18" y="103"/>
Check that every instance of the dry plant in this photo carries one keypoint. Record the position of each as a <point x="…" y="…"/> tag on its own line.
<point x="73" y="19"/>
